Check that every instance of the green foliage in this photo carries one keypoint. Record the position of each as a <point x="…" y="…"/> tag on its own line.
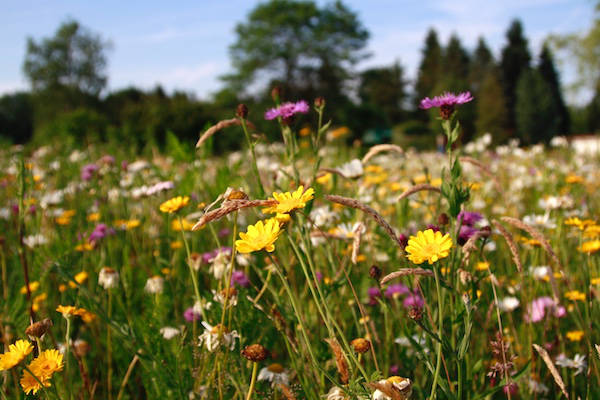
<point x="537" y="116"/>
<point x="384" y="88"/>
<point x="414" y="133"/>
<point x="430" y="68"/>
<point x="550" y="75"/>
<point x="491" y="107"/>
<point x="76" y="126"/>
<point x="16" y="117"/>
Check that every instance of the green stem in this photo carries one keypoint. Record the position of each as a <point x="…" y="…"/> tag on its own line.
<point x="189" y="261"/>
<point x="254" y="165"/>
<point x="440" y="328"/>
<point x="252" y="380"/>
<point x="67" y="350"/>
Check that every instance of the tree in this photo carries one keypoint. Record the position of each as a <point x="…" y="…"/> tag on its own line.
<point x="456" y="65"/>
<point x="514" y="62"/>
<point x="536" y="113"/>
<point x="481" y="64"/>
<point x="73" y="59"/>
<point x="307" y="49"/>
<point x="491" y="106"/>
<point x="16" y="117"/>
<point x="430" y="69"/>
<point x="550" y="75"/>
<point x="384" y="88"/>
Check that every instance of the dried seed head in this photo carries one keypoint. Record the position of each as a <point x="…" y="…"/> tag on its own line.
<point x="415" y="313"/>
<point x="255" y="352"/>
<point x="242" y="111"/>
<point x="81" y="348"/>
<point x="443" y="219"/>
<point x="229" y="292"/>
<point x="38" y="329"/>
<point x="361" y="345"/>
<point x="375" y="272"/>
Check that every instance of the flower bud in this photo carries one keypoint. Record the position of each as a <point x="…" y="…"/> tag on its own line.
<point x="242" y="111"/>
<point x="443" y="219"/>
<point x="276" y="93"/>
<point x="415" y="313"/>
<point x="375" y="272"/>
<point x="255" y="352"/>
<point x="319" y="102"/>
<point x="360" y="345"/>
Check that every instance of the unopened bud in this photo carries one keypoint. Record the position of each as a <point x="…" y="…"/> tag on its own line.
<point x="415" y="313"/>
<point x="276" y="93"/>
<point x="486" y="231"/>
<point x="443" y="219"/>
<point x="319" y="102"/>
<point x="242" y="111"/>
<point x="375" y="272"/>
<point x="255" y="352"/>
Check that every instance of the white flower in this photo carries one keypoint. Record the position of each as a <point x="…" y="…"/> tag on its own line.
<point x="335" y="393"/>
<point x="32" y="241"/>
<point x="323" y="216"/>
<point x="220" y="296"/>
<point x="542" y="221"/>
<point x="138" y="165"/>
<point x="215" y="336"/>
<point x="220" y="264"/>
<point x="508" y="304"/>
<point x="541" y="272"/>
<point x="168" y="332"/>
<point x="399" y="385"/>
<point x="537" y="387"/>
<point x="274" y="373"/>
<point x="559" y="141"/>
<point x="108" y="278"/>
<point x="577" y="363"/>
<point x="5" y="213"/>
<point x="155" y="285"/>
<point x="351" y="169"/>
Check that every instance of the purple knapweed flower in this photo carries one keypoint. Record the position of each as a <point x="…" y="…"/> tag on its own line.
<point x="99" y="232"/>
<point x="434" y="228"/>
<point x="87" y="172"/>
<point x="446" y="102"/>
<point x="287" y="110"/>
<point x="224" y="232"/>
<point x="396" y="290"/>
<point x="319" y="276"/>
<point x="413" y="300"/>
<point x="191" y="315"/>
<point x="374" y="293"/>
<point x="394" y="370"/>
<point x="403" y="239"/>
<point x="465" y="233"/>
<point x="468" y="218"/>
<point x="239" y="278"/>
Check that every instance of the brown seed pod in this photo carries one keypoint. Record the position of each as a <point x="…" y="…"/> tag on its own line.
<point x="255" y="352"/>
<point x="38" y="329"/>
<point x="360" y="345"/>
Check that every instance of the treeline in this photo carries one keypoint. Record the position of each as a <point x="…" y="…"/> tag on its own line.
<point x="518" y="94"/>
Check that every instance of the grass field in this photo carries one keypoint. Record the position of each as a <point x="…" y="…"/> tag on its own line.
<point x="183" y="276"/>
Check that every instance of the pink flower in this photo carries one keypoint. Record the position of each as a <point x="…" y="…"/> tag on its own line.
<point x="537" y="309"/>
<point x="287" y="110"/>
<point x="446" y="99"/>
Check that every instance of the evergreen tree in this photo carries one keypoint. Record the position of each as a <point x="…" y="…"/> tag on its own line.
<point x="430" y="69"/>
<point x="550" y="75"/>
<point x="481" y="64"/>
<point x="456" y="66"/>
<point x="385" y="89"/>
<point x="514" y="62"/>
<point x="536" y="114"/>
<point x="491" y="106"/>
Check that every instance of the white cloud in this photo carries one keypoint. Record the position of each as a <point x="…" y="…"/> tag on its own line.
<point x="11" y="86"/>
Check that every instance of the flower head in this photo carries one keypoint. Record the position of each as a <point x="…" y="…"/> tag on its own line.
<point x="175" y="204"/>
<point x="428" y="246"/>
<point x="43" y="367"/>
<point x="261" y="235"/>
<point x="287" y="202"/>
<point x="446" y="102"/>
<point x="274" y="373"/>
<point x="287" y="110"/>
<point x="15" y="354"/>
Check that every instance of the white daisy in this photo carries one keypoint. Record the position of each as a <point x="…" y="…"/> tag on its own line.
<point x="215" y="336"/>
<point x="274" y="373"/>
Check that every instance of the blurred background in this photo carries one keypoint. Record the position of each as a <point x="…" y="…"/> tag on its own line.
<point x="144" y="74"/>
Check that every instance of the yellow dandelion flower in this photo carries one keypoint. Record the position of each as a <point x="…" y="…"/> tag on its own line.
<point x="590" y="247"/>
<point x="80" y="278"/>
<point x="428" y="246"/>
<point x="15" y="354"/>
<point x="323" y="179"/>
<point x="67" y="311"/>
<point x="261" y="235"/>
<point x="185" y="225"/>
<point x="575" y="295"/>
<point x="93" y="217"/>
<point x="572" y="178"/>
<point x="127" y="224"/>
<point x="574" y="221"/>
<point x="287" y="202"/>
<point x="33" y="286"/>
<point x="178" y="244"/>
<point x="575" y="336"/>
<point x="339" y="132"/>
<point x="591" y="232"/>
<point x="175" y="204"/>
<point x="595" y="281"/>
<point x="305" y="131"/>
<point x="84" y="247"/>
<point x="43" y="367"/>
<point x="482" y="266"/>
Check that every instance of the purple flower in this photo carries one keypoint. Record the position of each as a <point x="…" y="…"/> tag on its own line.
<point x="100" y="231"/>
<point x="469" y="218"/>
<point x="373" y="293"/>
<point x="447" y="99"/>
<point x="465" y="233"/>
<point x="435" y="228"/>
<point x="209" y="256"/>
<point x="319" y="276"/>
<point x="287" y="110"/>
<point x="536" y="311"/>
<point x="394" y="370"/>
<point x="413" y="300"/>
<point x="191" y="315"/>
<point x="403" y="239"/>
<point x="396" y="290"/>
<point x="87" y="172"/>
<point x="107" y="159"/>
<point x="224" y="232"/>
<point x="239" y="278"/>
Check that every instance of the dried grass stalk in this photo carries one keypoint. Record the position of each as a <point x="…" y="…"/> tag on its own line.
<point x="356" y="239"/>
<point x="333" y="171"/>
<point x="287" y="392"/>
<point x="557" y="378"/>
<point x="405" y="272"/>
<point x="511" y="244"/>
<point x="218" y="126"/>
<point x="418" y="188"/>
<point x="380" y="148"/>
<point x="470" y="246"/>
<point x="228" y="207"/>
<point x="545" y="244"/>
<point x="328" y="235"/>
<point x="340" y="360"/>
<point x="348" y="202"/>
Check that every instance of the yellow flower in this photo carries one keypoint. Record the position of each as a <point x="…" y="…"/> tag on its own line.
<point x="261" y="235"/>
<point x="305" y="131"/>
<point x="323" y="179"/>
<point x="482" y="266"/>
<point x="590" y="247"/>
<point x="572" y="178"/>
<point x="84" y="247"/>
<point x="592" y="231"/>
<point x="80" y="278"/>
<point x="93" y="217"/>
<point x="339" y="132"/>
<point x="33" y="286"/>
<point x="15" y="354"/>
<point x="575" y="295"/>
<point x="185" y="225"/>
<point x="428" y="246"/>
<point x="127" y="224"/>
<point x="178" y="244"/>
<point x="287" y="201"/>
<point x="595" y="281"/>
<point x="175" y="204"/>
<point x="43" y="367"/>
<point x="575" y="336"/>
<point x="574" y="221"/>
<point x="67" y="311"/>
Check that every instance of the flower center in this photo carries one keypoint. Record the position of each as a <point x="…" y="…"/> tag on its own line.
<point x="276" y="368"/>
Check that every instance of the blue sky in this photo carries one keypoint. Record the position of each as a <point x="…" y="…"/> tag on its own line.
<point x="184" y="44"/>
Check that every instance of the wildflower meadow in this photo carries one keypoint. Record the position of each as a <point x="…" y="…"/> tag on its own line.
<point x="301" y="267"/>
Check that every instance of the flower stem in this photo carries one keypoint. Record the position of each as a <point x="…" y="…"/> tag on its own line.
<point x="440" y="328"/>
<point x="252" y="380"/>
<point x="189" y="260"/>
<point x="254" y="165"/>
<point x="67" y="349"/>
